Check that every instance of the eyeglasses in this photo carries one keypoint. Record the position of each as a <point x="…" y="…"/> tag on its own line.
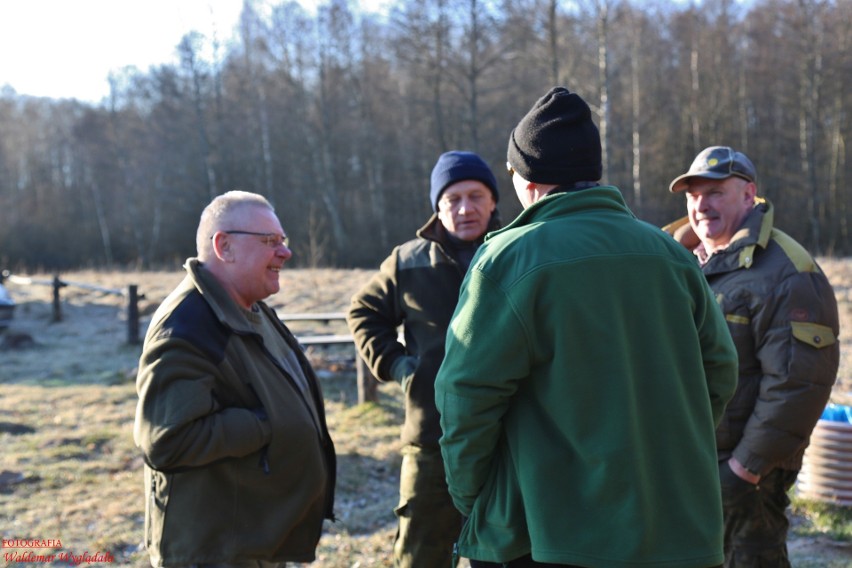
<point x="510" y="169"/>
<point x="272" y="240"/>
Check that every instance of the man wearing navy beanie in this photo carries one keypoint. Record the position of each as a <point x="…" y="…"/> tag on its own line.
<point x="456" y="166"/>
<point x="417" y="287"/>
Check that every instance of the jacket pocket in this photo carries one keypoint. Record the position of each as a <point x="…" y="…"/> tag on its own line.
<point x="498" y="519"/>
<point x="158" y="487"/>
<point x="815" y="353"/>
<point x="501" y="498"/>
<point x="816" y="335"/>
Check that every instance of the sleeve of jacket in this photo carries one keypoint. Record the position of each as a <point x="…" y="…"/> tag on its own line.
<point x="717" y="350"/>
<point x="795" y="335"/>
<point x="480" y="373"/>
<point x="374" y="314"/>
<point x="179" y="421"/>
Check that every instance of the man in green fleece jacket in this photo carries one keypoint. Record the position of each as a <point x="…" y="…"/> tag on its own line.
<point x="587" y="365"/>
<point x="239" y="464"/>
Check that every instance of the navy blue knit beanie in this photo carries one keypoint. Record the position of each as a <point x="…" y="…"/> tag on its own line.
<point x="557" y="142"/>
<point x="459" y="166"/>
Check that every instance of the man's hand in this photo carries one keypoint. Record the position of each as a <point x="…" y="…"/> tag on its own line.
<point x="402" y="370"/>
<point x="742" y="472"/>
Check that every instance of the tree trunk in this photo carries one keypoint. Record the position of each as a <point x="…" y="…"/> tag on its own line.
<point x="603" y="79"/>
<point x="636" y="102"/>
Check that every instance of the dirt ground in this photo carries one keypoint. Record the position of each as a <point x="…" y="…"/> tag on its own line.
<point x="88" y="350"/>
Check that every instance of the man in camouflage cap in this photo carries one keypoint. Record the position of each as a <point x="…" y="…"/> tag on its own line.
<point x="782" y="314"/>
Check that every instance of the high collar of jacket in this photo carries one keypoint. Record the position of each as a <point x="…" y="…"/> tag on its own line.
<point x="560" y="203"/>
<point x="225" y="308"/>
<point x="434" y="230"/>
<point x="754" y="233"/>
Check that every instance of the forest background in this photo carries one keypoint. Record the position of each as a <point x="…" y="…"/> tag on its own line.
<point x="338" y="117"/>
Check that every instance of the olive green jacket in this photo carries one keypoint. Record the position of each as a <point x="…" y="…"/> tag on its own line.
<point x="237" y="467"/>
<point x="417" y="286"/>
<point x="782" y="314"/>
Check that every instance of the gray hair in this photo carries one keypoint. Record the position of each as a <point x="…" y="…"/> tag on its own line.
<point x="222" y="210"/>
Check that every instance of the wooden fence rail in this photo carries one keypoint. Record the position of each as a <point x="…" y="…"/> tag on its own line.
<point x="131" y="293"/>
<point x="367" y="384"/>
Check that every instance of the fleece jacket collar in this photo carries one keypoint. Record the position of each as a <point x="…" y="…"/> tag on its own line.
<point x="555" y="204"/>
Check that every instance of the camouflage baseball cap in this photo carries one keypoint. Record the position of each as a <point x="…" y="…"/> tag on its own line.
<point x="716" y="162"/>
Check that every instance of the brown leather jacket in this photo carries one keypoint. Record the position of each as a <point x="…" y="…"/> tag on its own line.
<point x="782" y="314"/>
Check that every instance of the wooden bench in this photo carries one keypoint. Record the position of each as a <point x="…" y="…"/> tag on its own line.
<point x="321" y="340"/>
<point x="367" y="384"/>
<point x="318" y="316"/>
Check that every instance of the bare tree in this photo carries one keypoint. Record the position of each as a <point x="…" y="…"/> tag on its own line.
<point x="838" y="165"/>
<point x="253" y="44"/>
<point x="188" y="49"/>
<point x="478" y="52"/>
<point x="636" y="33"/>
<point x="810" y="87"/>
<point x="336" y="31"/>
<point x="603" y="23"/>
<point x="338" y="118"/>
<point x="421" y="43"/>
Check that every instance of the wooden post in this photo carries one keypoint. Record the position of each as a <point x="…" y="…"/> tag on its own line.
<point x="132" y="314"/>
<point x="57" y="305"/>
<point x="367" y="384"/>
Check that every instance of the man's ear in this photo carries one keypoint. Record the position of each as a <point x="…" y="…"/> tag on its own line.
<point x="222" y="246"/>
<point x="750" y="191"/>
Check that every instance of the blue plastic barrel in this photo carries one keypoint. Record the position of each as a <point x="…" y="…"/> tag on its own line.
<point x="837" y="413"/>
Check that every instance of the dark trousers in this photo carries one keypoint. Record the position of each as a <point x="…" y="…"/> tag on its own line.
<point x="522" y="562"/>
<point x="525" y="562"/>
<point x="429" y="523"/>
<point x="243" y="564"/>
<point x="755" y="519"/>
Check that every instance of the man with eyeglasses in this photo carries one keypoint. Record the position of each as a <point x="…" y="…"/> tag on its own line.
<point x="417" y="287"/>
<point x="586" y="367"/>
<point x="239" y="464"/>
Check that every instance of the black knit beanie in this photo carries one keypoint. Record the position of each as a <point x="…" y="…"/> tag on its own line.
<point x="557" y="142"/>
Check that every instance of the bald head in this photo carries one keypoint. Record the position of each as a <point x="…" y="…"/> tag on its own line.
<point x="223" y="213"/>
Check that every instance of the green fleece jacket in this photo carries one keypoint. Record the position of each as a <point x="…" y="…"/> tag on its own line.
<point x="237" y="467"/>
<point x="587" y="365"/>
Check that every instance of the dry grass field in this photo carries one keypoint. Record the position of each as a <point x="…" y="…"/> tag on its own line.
<point x="69" y="471"/>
